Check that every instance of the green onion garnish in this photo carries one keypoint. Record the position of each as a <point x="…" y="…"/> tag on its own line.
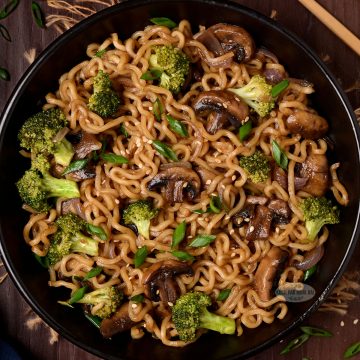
<point x="114" y="158"/>
<point x="182" y="255"/>
<point x="75" y="166"/>
<point x="78" y="295"/>
<point x="202" y="240"/>
<point x="37" y="14"/>
<point x="140" y="256"/>
<point x="295" y="343"/>
<point x="5" y="33"/>
<point x="279" y="155"/>
<point x="352" y="350"/>
<point x="245" y="130"/>
<point x="151" y="75"/>
<point x="223" y="295"/>
<point x="178" y="234"/>
<point x="177" y="126"/>
<point x="157" y="109"/>
<point x="164" y="150"/>
<point x="163" y="21"/>
<point x="312" y="331"/>
<point x="279" y="88"/>
<point x="8" y="8"/>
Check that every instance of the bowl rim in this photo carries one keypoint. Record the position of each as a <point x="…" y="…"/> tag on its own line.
<point x="128" y="4"/>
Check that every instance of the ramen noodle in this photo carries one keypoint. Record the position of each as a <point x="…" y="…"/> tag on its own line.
<point x="226" y="203"/>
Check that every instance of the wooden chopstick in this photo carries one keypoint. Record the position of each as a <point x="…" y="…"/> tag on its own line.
<point x="333" y="24"/>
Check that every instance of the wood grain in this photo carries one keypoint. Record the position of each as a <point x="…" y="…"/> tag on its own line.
<point x="342" y="61"/>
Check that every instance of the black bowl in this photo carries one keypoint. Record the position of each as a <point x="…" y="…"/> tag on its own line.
<point x="69" y="50"/>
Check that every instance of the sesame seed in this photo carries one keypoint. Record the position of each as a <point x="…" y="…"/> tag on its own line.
<point x="251" y="229"/>
<point x="227" y="217"/>
<point x="170" y="303"/>
<point x="208" y="182"/>
<point x="356" y="321"/>
<point x="232" y="231"/>
<point x="277" y="230"/>
<point x="246" y="219"/>
<point x="140" y="166"/>
<point x="157" y="292"/>
<point x="218" y="161"/>
<point x="233" y="178"/>
<point x="126" y="123"/>
<point x="150" y="142"/>
<point x="225" y="105"/>
<point x="185" y="184"/>
<point x="117" y="201"/>
<point x="342" y="324"/>
<point x="233" y="255"/>
<point x="222" y="186"/>
<point x="150" y="108"/>
<point x="190" y="237"/>
<point x="127" y="265"/>
<point x="148" y="172"/>
<point x="144" y="325"/>
<point x="103" y="182"/>
<point x="134" y="306"/>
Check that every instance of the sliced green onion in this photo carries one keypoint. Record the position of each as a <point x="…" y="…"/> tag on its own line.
<point x="114" y="158"/>
<point x="245" y="130"/>
<point x="202" y="240"/>
<point x="163" y="21"/>
<point x="8" y="8"/>
<point x="157" y="109"/>
<point x="352" y="350"/>
<point x="5" y="33"/>
<point x="177" y="126"/>
<point x="199" y="211"/>
<point x="182" y="255"/>
<point x="153" y="74"/>
<point x="4" y="74"/>
<point x="123" y="130"/>
<point x="97" y="231"/>
<point x="279" y="88"/>
<point x="42" y="260"/>
<point x="75" y="166"/>
<point x="100" y="53"/>
<point x="178" y="234"/>
<point x="279" y="155"/>
<point x="140" y="256"/>
<point x="93" y="272"/>
<point x="309" y="273"/>
<point x="95" y="320"/>
<point x="312" y="331"/>
<point x="78" y="295"/>
<point x="65" y="303"/>
<point x="223" y="295"/>
<point x="164" y="150"/>
<point x="295" y="343"/>
<point x="215" y="204"/>
<point x="137" y="298"/>
<point x="37" y="14"/>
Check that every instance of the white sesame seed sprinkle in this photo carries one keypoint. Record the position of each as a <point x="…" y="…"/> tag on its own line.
<point x="233" y="255"/>
<point x="185" y="185"/>
<point x="233" y="178"/>
<point x="218" y="161"/>
<point x="150" y="142"/>
<point x="277" y="230"/>
<point x="232" y="231"/>
<point x="117" y="201"/>
<point x="251" y="229"/>
<point x="150" y="108"/>
<point x="342" y="324"/>
<point x="134" y="306"/>
<point x="103" y="182"/>
<point x="157" y="292"/>
<point x="208" y="182"/>
<point x="355" y="321"/>
<point x="227" y="217"/>
<point x="225" y="105"/>
<point x="170" y="303"/>
<point x="246" y="219"/>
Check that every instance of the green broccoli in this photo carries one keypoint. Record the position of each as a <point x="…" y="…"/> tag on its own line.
<point x="69" y="238"/>
<point x="37" y="185"/>
<point x="38" y="132"/>
<point x="257" y="94"/>
<point x="111" y="298"/>
<point x="104" y="101"/>
<point x="140" y="213"/>
<point x="173" y="64"/>
<point x="317" y="213"/>
<point x="190" y="313"/>
<point x="257" y="166"/>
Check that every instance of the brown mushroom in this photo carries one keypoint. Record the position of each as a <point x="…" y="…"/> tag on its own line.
<point x="72" y="205"/>
<point x="308" y="125"/>
<point x="243" y="217"/>
<point x="180" y="183"/>
<point x="223" y="107"/>
<point x="118" y="322"/>
<point x="159" y="282"/>
<point x="316" y="169"/>
<point x="206" y="176"/>
<point x="223" y="38"/>
<point x="281" y="211"/>
<point x="260" y="224"/>
<point x="87" y="173"/>
<point x="270" y="266"/>
<point x="256" y="199"/>
<point x="279" y="175"/>
<point x="84" y="143"/>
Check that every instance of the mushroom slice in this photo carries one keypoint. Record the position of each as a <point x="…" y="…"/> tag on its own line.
<point x="84" y="143"/>
<point x="316" y="169"/>
<point x="206" y="176"/>
<point x="180" y="182"/>
<point x="279" y="175"/>
<point x="160" y="283"/>
<point x="118" y="322"/>
<point x="259" y="225"/>
<point x="223" y="106"/>
<point x="256" y="199"/>
<point x="270" y="266"/>
<point x="243" y="217"/>
<point x="281" y="211"/>
<point x="72" y="205"/>
<point x="308" y="125"/>
<point x="223" y="38"/>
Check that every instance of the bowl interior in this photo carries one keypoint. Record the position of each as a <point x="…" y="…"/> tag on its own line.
<point x="69" y="50"/>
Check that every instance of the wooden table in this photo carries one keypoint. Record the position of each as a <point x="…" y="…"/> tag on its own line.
<point x="340" y="59"/>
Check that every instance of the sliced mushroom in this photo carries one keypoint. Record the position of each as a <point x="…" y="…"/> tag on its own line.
<point x="270" y="266"/>
<point x="159" y="282"/>
<point x="223" y="38"/>
<point x="311" y="258"/>
<point x="308" y="125"/>
<point x="243" y="217"/>
<point x="223" y="107"/>
<point x="74" y="206"/>
<point x="118" y="322"/>
<point x="84" y="143"/>
<point x="206" y="176"/>
<point x="279" y="175"/>
<point x="316" y="169"/>
<point x="87" y="173"/>
<point x="259" y="200"/>
<point x="260" y="224"/>
<point x="180" y="183"/>
<point x="281" y="211"/>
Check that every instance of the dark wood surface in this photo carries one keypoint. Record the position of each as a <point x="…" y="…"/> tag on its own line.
<point x="341" y="60"/>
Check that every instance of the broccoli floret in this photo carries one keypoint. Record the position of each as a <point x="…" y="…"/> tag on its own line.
<point x="317" y="213"/>
<point x="140" y="213"/>
<point x="256" y="165"/>
<point x="38" y="132"/>
<point x="111" y="298"/>
<point x="104" y="101"/>
<point x="173" y="64"/>
<point x="190" y="313"/>
<point x="69" y="238"/>
<point x="257" y="94"/>
<point x="37" y="185"/>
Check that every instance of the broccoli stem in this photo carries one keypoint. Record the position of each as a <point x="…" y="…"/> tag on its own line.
<point x="60" y="187"/>
<point x="63" y="152"/>
<point x="218" y="323"/>
<point x="143" y="227"/>
<point x="85" y="245"/>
